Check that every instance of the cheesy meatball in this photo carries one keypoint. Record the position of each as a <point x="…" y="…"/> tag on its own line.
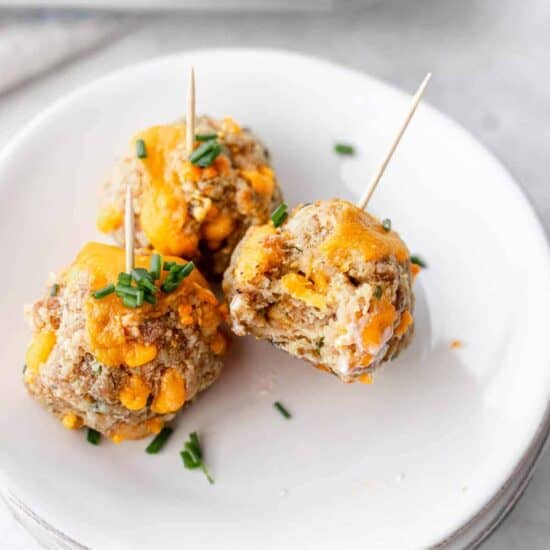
<point x="331" y="285"/>
<point x="121" y="369"/>
<point x="197" y="207"/>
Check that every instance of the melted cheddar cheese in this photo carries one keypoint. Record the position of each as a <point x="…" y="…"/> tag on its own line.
<point x="163" y="213"/>
<point x="171" y="394"/>
<point x="39" y="350"/>
<point x="261" y="180"/>
<point x="404" y="323"/>
<point x="301" y="288"/>
<point x="134" y="393"/>
<point x="381" y="320"/>
<point x="359" y="236"/>
<point x="105" y="317"/>
<point x="256" y="255"/>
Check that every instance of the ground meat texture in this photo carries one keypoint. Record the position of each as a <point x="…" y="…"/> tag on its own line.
<point x="330" y="285"/>
<point x="188" y="211"/>
<point x="122" y="371"/>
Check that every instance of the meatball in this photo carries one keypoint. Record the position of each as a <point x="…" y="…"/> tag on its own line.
<point x="120" y="370"/>
<point x="183" y="209"/>
<point x="331" y="285"/>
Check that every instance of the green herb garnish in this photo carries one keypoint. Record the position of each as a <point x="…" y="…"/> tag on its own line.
<point x="155" y="266"/>
<point x="54" y="291"/>
<point x="386" y="224"/>
<point x="418" y="261"/>
<point x="141" y="150"/>
<point x="159" y="441"/>
<point x="344" y="149"/>
<point x="102" y="292"/>
<point x="279" y="214"/>
<point x="205" y="137"/>
<point x="93" y="436"/>
<point x="176" y="274"/>
<point x="192" y="456"/>
<point x="130" y="301"/>
<point x="377" y="293"/>
<point x="24" y="368"/>
<point x="124" y="279"/>
<point x="282" y="410"/>
<point x="205" y="154"/>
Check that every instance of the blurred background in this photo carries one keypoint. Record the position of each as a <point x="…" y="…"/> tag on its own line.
<point x="490" y="60"/>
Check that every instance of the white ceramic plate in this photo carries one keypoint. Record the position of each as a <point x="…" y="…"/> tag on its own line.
<point x="404" y="462"/>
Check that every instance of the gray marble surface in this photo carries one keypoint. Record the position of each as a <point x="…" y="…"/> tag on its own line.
<point x="490" y="60"/>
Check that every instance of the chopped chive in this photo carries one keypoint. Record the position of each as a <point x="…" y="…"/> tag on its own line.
<point x="123" y="290"/>
<point x="141" y="150"/>
<point x="186" y="271"/>
<point x="102" y="292"/>
<point x="156" y="266"/>
<point x="205" y="154"/>
<point x="377" y="293"/>
<point x="344" y="149"/>
<point x="205" y="137"/>
<point x="148" y="285"/>
<point x="418" y="261"/>
<point x="279" y="214"/>
<point x="210" y="157"/>
<point x="160" y="440"/>
<point x="178" y="272"/>
<point x="188" y="461"/>
<point x="143" y="278"/>
<point x="168" y="266"/>
<point x="149" y="298"/>
<point x="140" y="273"/>
<point x="191" y="456"/>
<point x="54" y="291"/>
<point x="139" y="298"/>
<point x="130" y="301"/>
<point x="278" y="405"/>
<point x="124" y="279"/>
<point x="24" y="368"/>
<point x="168" y="287"/>
<point x="93" y="436"/>
<point x="386" y="224"/>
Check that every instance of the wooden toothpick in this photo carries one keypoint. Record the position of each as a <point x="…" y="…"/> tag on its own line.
<point x="380" y="172"/>
<point x="190" y="116"/>
<point x="129" y="230"/>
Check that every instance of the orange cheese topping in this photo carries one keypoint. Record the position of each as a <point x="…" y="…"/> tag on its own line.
<point x="164" y="209"/>
<point x="219" y="228"/>
<point x="134" y="394"/>
<point x="381" y="320"/>
<point x="105" y="318"/>
<point x="218" y="344"/>
<point x="261" y="180"/>
<point x="360" y="236"/>
<point x="39" y="350"/>
<point x="72" y="422"/>
<point x="229" y="126"/>
<point x="109" y="219"/>
<point x="405" y="322"/>
<point x="302" y="289"/>
<point x="257" y="255"/>
<point x="171" y="395"/>
<point x="365" y="378"/>
<point x="123" y="432"/>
